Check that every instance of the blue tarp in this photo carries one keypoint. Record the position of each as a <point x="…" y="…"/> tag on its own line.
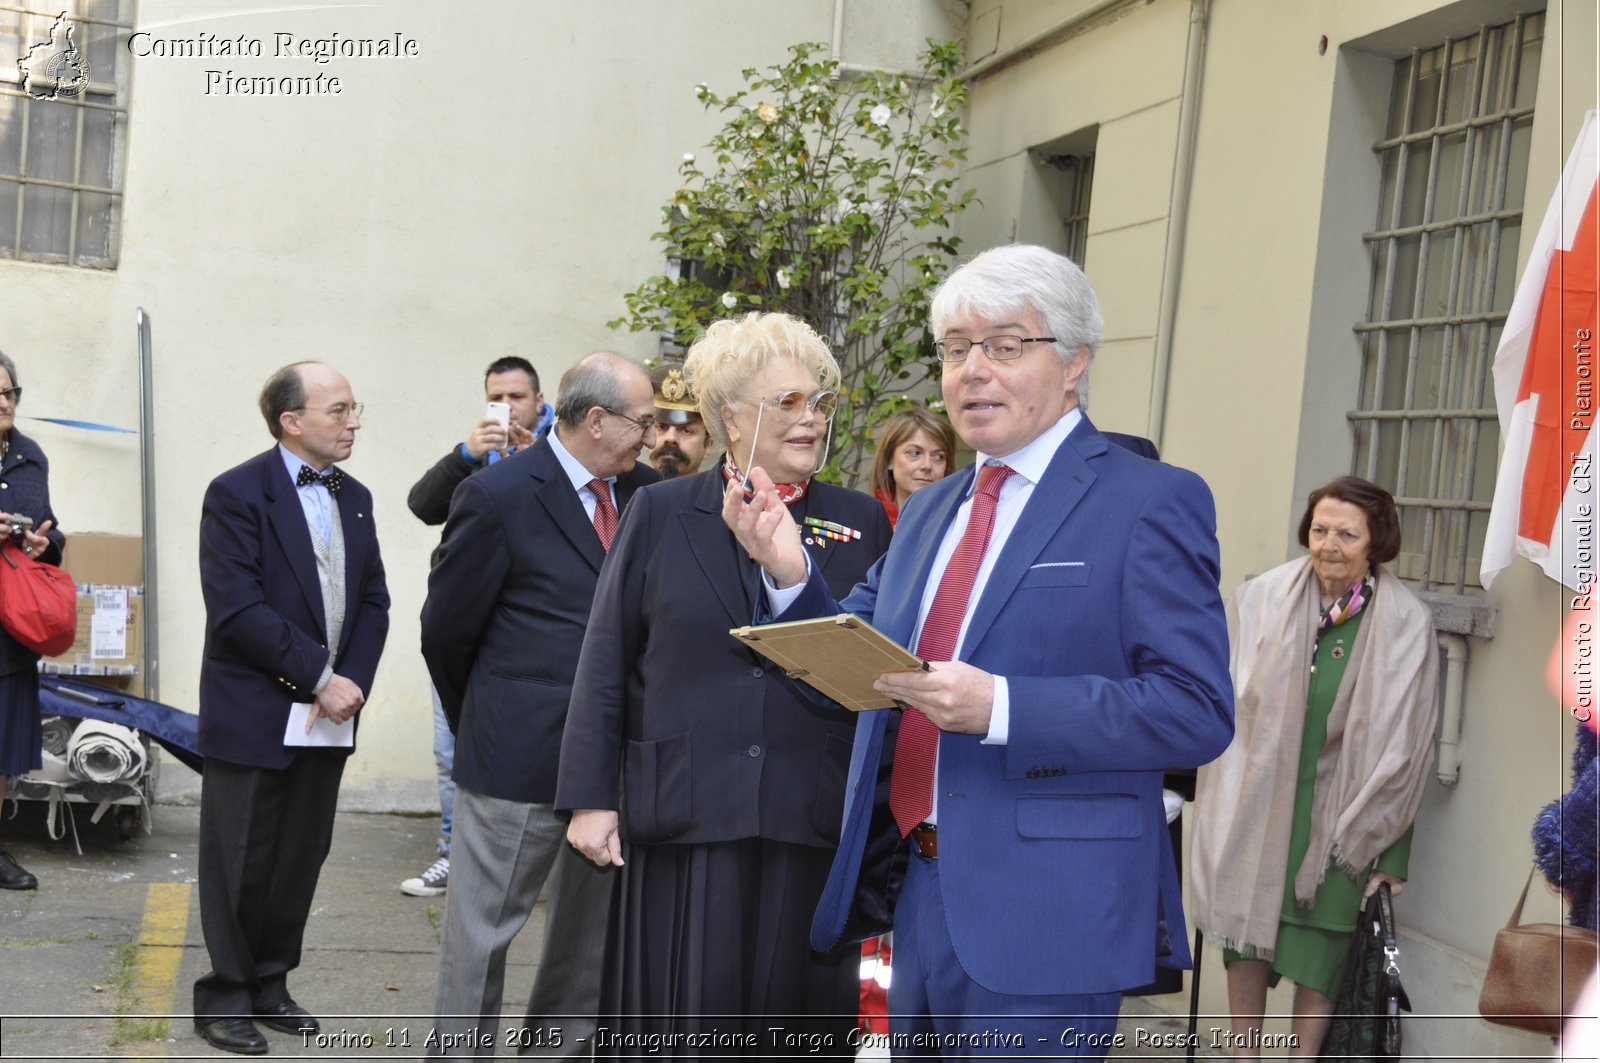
<point x="176" y="730"/>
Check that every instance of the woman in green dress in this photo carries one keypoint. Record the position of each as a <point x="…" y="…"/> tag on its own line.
<point x="1335" y="672"/>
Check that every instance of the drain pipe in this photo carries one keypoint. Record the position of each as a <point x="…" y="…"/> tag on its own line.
<point x="1455" y="670"/>
<point x="837" y="43"/>
<point x="854" y="70"/>
<point x="1177" y="219"/>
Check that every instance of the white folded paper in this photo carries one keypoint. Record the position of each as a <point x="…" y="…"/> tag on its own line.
<point x="323" y="733"/>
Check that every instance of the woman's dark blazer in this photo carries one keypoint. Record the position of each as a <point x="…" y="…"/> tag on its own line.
<point x="699" y="738"/>
<point x="25" y="490"/>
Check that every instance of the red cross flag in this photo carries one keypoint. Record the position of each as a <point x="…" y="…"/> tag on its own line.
<point x="1545" y="372"/>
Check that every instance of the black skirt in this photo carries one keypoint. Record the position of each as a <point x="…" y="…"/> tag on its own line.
<point x="709" y="956"/>
<point x="20" y="733"/>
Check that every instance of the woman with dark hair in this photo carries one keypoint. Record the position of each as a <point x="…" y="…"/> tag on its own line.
<point x="1311" y="808"/>
<point x="25" y="479"/>
<point x="915" y="448"/>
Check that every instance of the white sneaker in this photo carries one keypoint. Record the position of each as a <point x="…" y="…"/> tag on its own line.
<point x="431" y="882"/>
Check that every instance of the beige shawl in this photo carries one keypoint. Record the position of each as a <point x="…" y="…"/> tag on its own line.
<point x="1370" y="776"/>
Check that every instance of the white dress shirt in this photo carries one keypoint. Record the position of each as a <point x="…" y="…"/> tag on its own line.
<point x="581" y="476"/>
<point x="315" y="499"/>
<point x="1027" y="466"/>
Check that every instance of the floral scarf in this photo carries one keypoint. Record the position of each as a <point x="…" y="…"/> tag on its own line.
<point x="788" y="494"/>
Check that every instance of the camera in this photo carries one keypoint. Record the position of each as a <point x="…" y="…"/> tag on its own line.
<point x="18" y="527"/>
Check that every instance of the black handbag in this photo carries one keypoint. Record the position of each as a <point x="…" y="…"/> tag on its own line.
<point x="1366" y="1017"/>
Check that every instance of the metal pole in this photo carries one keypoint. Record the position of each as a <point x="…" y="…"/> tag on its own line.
<point x="1194" y="994"/>
<point x="147" y="480"/>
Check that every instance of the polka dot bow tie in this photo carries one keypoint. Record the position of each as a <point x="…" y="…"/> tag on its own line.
<point x="333" y="479"/>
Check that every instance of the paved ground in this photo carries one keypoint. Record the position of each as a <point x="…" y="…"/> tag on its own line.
<point x="98" y="962"/>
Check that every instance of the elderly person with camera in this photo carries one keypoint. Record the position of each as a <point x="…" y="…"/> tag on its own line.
<point x="29" y="523"/>
<point x="732" y="780"/>
<point x="1335" y="669"/>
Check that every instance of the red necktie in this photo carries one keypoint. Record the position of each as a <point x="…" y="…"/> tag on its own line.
<point x="605" y="514"/>
<point x="917" y="748"/>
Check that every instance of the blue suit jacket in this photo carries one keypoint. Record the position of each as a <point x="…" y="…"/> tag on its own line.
<point x="266" y="636"/>
<point x="1103" y="614"/>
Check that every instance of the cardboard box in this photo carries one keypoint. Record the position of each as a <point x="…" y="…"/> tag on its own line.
<point x="109" y="572"/>
<point x="103" y="558"/>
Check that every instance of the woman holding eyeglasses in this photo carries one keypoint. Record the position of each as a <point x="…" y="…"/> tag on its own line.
<point x="24" y="493"/>
<point x="687" y="759"/>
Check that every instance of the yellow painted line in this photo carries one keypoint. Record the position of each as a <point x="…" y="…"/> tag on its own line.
<point x="161" y="935"/>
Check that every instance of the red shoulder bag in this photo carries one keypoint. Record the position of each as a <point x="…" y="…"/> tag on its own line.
<point x="38" y="602"/>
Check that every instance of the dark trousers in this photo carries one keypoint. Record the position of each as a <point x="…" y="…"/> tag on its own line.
<point x="263" y="836"/>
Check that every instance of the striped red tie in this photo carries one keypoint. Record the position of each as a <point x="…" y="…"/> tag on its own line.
<point x="911" y="784"/>
<point x="605" y="514"/>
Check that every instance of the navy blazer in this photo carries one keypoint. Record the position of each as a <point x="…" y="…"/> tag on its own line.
<point x="1103" y="614"/>
<point x="692" y="734"/>
<point x="266" y="635"/>
<point x="25" y="491"/>
<point x="508" y="602"/>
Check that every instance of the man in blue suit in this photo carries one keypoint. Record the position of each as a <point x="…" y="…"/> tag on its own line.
<point x="297" y="612"/>
<point x="1010" y="819"/>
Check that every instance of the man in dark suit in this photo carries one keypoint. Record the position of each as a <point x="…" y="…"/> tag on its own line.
<point x="513" y="381"/>
<point x="508" y="602"/>
<point x="296" y="617"/>
<point x="1069" y="591"/>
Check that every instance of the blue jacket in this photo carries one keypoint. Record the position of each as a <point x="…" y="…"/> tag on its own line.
<point x="265" y="630"/>
<point x="1103" y="614"/>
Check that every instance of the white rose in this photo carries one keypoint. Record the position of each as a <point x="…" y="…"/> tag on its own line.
<point x="688" y="156"/>
<point x="730" y="300"/>
<point x="785" y="278"/>
<point x="881" y="114"/>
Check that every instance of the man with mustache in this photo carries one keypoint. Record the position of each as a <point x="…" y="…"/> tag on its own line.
<point x="681" y="440"/>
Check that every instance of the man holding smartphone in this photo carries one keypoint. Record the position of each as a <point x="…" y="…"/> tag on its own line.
<point x="514" y="418"/>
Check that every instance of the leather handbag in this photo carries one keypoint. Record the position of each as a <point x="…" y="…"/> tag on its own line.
<point x="1536" y="972"/>
<point x="38" y="602"/>
<point x="1366" y="1018"/>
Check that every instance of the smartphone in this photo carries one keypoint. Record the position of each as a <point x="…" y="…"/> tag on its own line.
<point x="499" y="411"/>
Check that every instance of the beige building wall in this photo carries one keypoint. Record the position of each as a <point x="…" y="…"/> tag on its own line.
<point x="493" y="195"/>
<point x="1264" y="364"/>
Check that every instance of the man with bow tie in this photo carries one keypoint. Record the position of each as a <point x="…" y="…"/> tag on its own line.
<point x="297" y="612"/>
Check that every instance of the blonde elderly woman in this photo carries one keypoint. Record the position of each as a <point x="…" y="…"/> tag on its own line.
<point x="1311" y="808"/>
<point x="729" y="781"/>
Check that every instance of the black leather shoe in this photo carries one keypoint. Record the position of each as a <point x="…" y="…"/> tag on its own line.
<point x="13" y="877"/>
<point x="232" y="1035"/>
<point x="288" y="1017"/>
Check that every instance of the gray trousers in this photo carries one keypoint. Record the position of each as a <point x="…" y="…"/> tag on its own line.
<point x="502" y="854"/>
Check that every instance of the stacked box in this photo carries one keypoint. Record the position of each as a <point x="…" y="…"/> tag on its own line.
<point x="109" y="573"/>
